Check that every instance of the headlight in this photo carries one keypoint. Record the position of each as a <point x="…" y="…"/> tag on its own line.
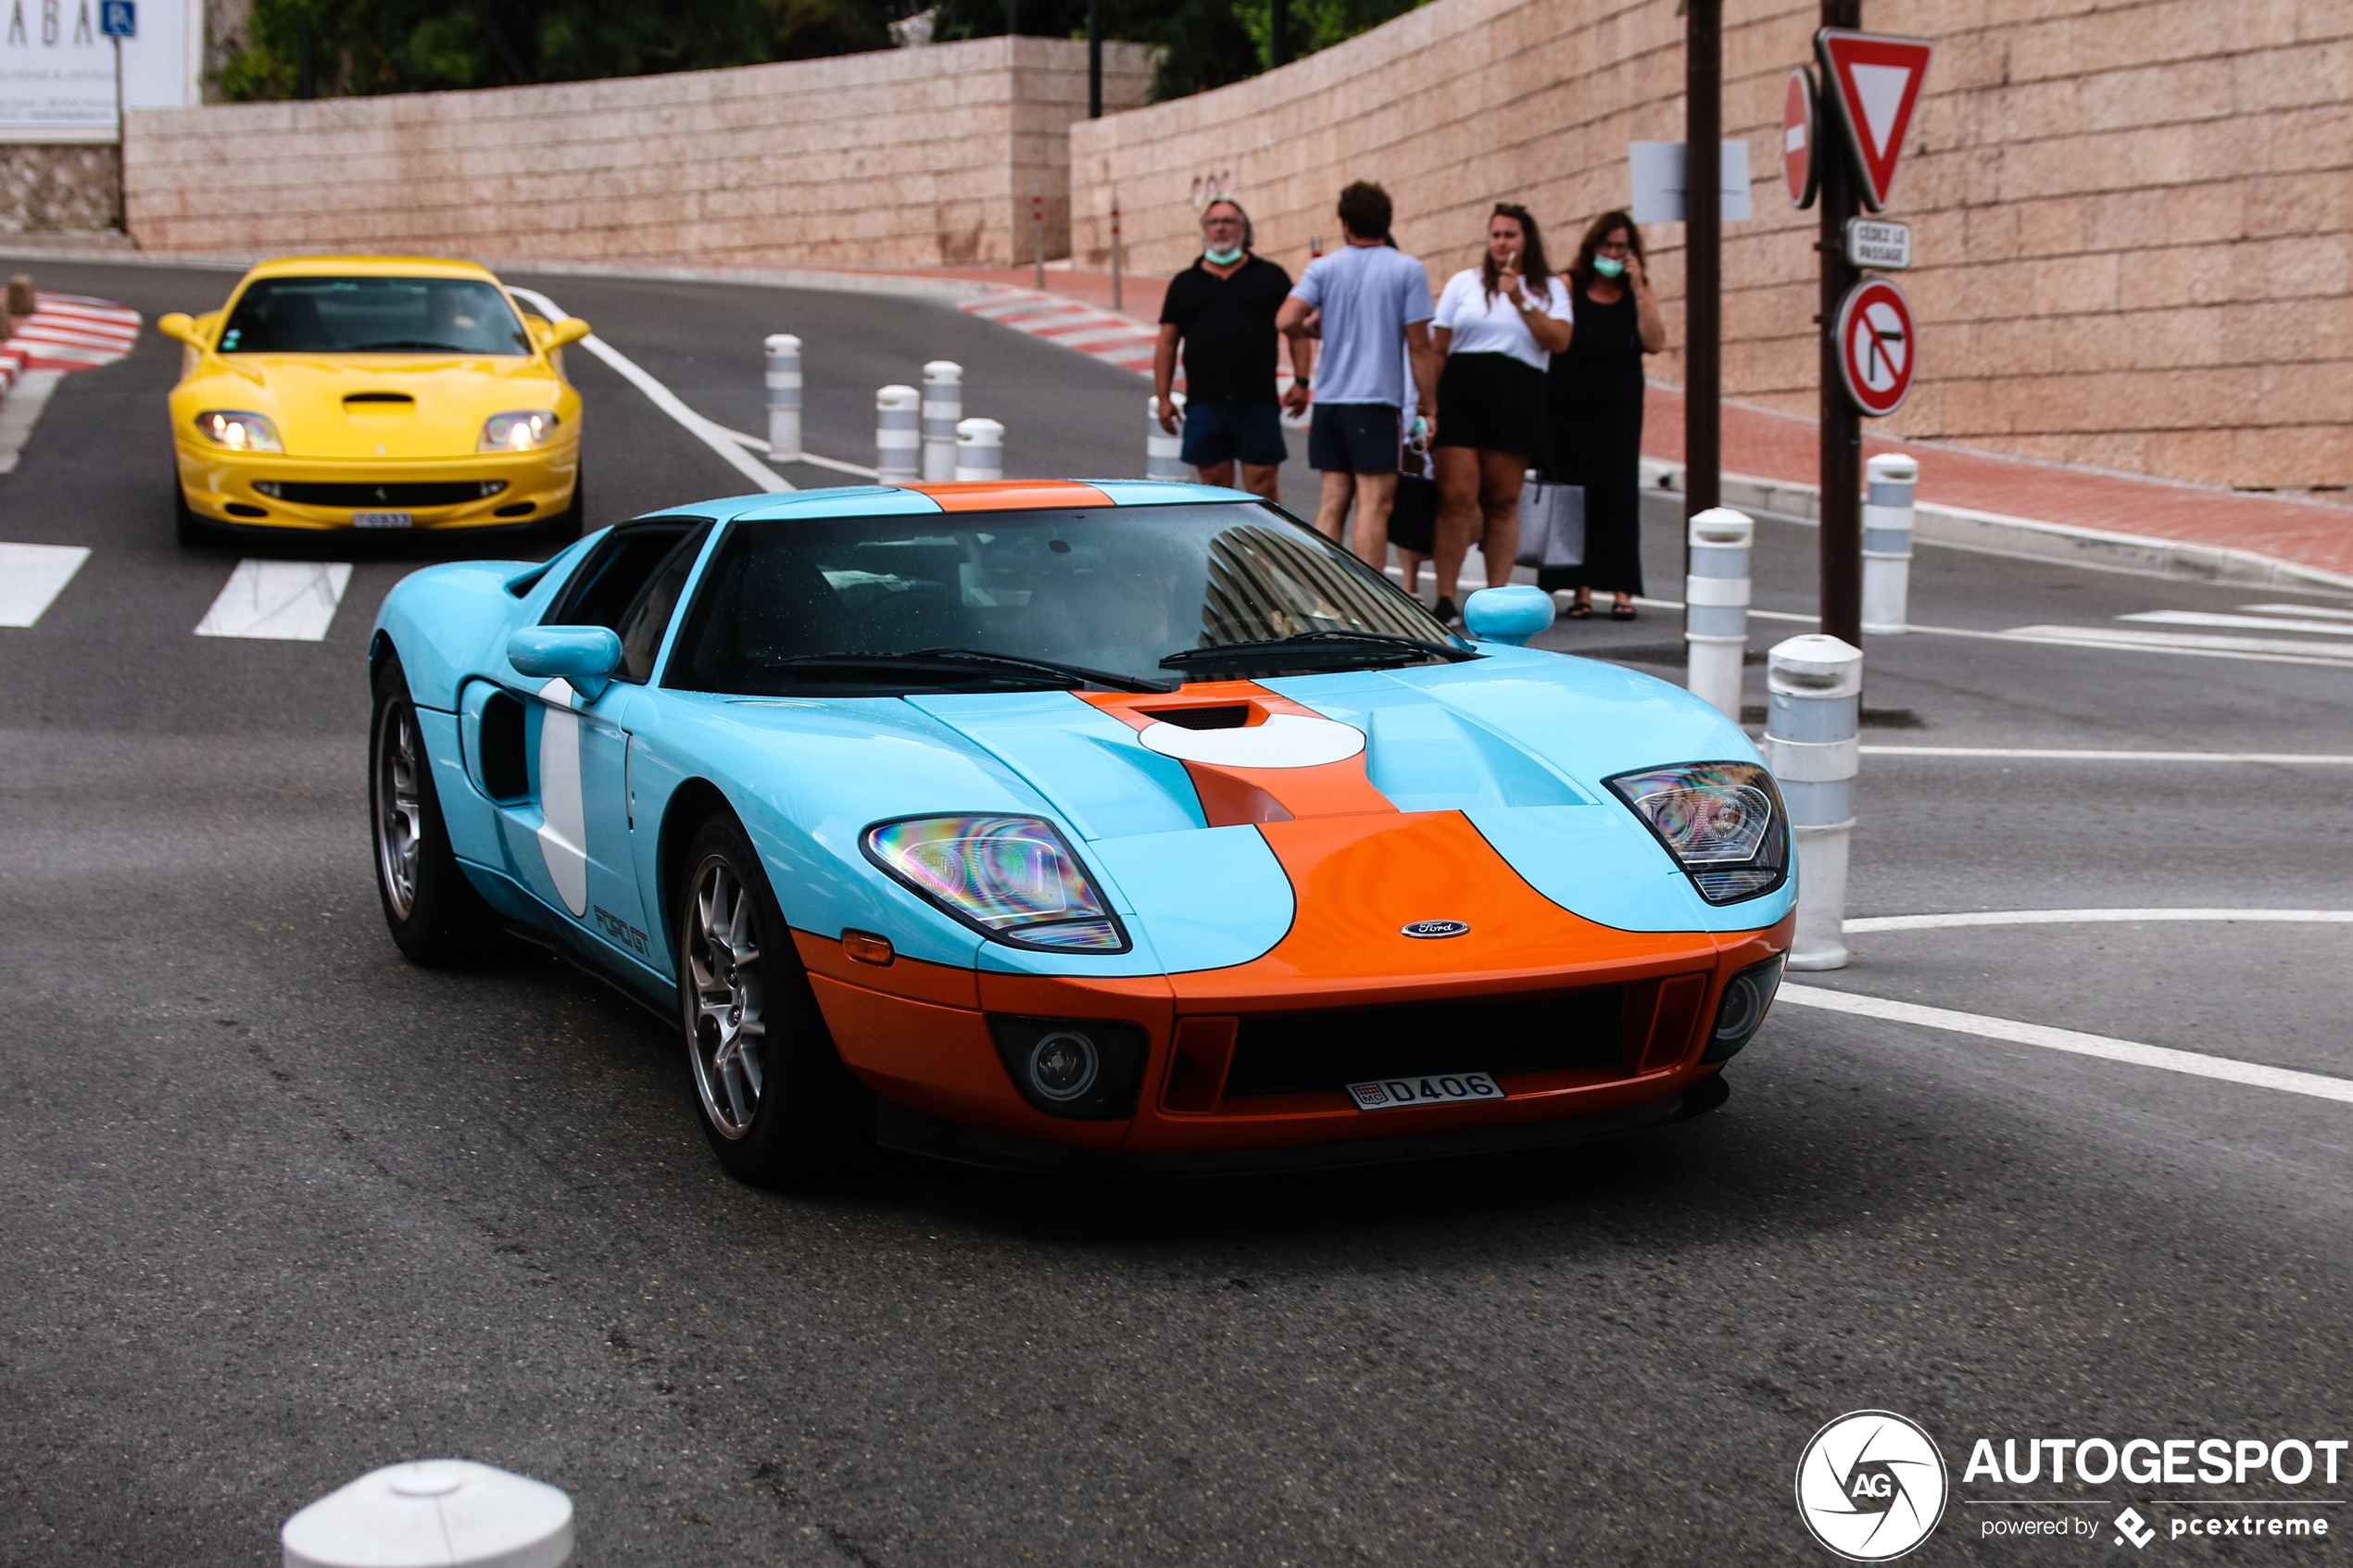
<point x="1012" y="878"/>
<point x="238" y="431"/>
<point x="1722" y="821"/>
<point x="522" y="432"/>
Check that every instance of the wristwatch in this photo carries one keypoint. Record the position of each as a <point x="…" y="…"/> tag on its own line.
<point x="1527" y="306"/>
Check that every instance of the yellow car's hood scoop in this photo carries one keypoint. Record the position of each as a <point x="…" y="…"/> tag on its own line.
<point x="393" y="406"/>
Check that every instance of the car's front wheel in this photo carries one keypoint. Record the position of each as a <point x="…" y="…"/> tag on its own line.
<point x="187" y="525"/>
<point x="776" y="1102"/>
<point x="435" y="915"/>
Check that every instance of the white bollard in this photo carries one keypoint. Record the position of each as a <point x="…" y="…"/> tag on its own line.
<point x="1887" y="542"/>
<point x="435" y="1513"/>
<point x="943" y="406"/>
<point x="1715" y="612"/>
<point x="1163" y="452"/>
<point x="898" y="438"/>
<point x="1813" y="720"/>
<point x="980" y="449"/>
<point x="784" y="398"/>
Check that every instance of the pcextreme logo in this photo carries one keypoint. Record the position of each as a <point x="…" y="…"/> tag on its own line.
<point x="1872" y="1486"/>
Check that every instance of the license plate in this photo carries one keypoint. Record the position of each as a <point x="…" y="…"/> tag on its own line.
<point x="384" y="520"/>
<point x="1433" y="1088"/>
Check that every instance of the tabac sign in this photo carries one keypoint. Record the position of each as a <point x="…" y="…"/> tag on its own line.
<point x="58" y="64"/>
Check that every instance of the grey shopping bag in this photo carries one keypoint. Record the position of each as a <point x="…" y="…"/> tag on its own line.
<point x="1551" y="524"/>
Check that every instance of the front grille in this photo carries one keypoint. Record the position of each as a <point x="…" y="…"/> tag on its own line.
<point x="1298" y="1053"/>
<point x="432" y="492"/>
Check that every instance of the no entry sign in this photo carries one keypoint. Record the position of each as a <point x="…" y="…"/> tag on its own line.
<point x="1876" y="345"/>
<point x="1800" y="121"/>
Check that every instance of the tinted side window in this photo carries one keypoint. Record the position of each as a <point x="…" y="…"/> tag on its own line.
<point x="609" y="582"/>
<point x="642" y="628"/>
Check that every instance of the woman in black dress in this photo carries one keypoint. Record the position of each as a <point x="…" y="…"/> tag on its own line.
<point x="1594" y="405"/>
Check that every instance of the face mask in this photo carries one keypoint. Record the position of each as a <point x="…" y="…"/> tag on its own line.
<point x="1608" y="266"/>
<point x="1224" y="257"/>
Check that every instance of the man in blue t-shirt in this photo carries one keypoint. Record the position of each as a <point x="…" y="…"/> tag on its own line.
<point x="1372" y="297"/>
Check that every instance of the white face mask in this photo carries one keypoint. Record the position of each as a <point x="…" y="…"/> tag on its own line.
<point x="1608" y="266"/>
<point x="1224" y="257"/>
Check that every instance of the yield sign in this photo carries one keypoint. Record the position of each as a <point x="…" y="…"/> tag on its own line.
<point x="1876" y="344"/>
<point x="1875" y="80"/>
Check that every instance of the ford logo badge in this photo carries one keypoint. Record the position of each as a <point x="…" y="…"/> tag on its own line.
<point x="1432" y="928"/>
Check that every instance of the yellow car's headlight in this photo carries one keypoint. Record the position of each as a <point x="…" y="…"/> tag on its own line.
<point x="239" y="430"/>
<point x="521" y="432"/>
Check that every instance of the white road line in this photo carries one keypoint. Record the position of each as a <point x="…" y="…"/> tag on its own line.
<point x="2168" y="642"/>
<point x="758" y="445"/>
<point x="31" y="576"/>
<point x="2259" y="623"/>
<point x="2283" y="759"/>
<point x="288" y="601"/>
<point x="2086" y="917"/>
<point x="2299" y="609"/>
<point x="2147" y="642"/>
<point x="22" y="409"/>
<point x="2287" y="1080"/>
<point x="662" y="397"/>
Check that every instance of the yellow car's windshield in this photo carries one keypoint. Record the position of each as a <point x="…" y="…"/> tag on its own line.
<point x="373" y="316"/>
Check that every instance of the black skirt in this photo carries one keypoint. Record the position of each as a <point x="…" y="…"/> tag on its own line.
<point x="1492" y="402"/>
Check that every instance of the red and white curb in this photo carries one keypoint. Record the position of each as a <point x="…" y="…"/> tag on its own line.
<point x="67" y="331"/>
<point x="1097" y="333"/>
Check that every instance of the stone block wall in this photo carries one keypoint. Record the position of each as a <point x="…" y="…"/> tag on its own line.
<point x="916" y="157"/>
<point x="45" y="188"/>
<point x="2132" y="219"/>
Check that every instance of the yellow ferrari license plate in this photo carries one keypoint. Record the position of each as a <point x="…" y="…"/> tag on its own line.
<point x="384" y="520"/>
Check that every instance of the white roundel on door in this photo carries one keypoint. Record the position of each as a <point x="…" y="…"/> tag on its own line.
<point x="563" y="819"/>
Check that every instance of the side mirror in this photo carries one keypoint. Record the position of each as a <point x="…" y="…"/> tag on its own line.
<point x="572" y="328"/>
<point x="586" y="656"/>
<point x="182" y="325"/>
<point x="1510" y="615"/>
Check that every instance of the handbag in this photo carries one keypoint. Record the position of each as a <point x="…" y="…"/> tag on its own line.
<point x="1551" y="524"/>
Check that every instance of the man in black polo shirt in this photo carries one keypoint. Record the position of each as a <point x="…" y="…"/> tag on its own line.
<point x="1222" y="309"/>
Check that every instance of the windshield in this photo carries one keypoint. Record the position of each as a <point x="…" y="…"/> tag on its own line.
<point x="373" y="315"/>
<point x="1110" y="589"/>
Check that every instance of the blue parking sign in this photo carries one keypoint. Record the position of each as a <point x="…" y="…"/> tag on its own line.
<point x="118" y="18"/>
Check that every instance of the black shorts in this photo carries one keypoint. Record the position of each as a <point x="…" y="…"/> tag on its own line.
<point x="1219" y="430"/>
<point x="1353" y="438"/>
<point x="1492" y="402"/>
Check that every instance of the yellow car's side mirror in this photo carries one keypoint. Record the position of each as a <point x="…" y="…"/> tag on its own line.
<point x="572" y="328"/>
<point x="182" y="325"/>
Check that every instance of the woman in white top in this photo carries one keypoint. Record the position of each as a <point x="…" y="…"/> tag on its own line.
<point x="1498" y="326"/>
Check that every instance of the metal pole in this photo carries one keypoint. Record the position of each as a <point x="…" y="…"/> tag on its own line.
<point x="1094" y="60"/>
<point x="1278" y="35"/>
<point x="122" y="147"/>
<point x="1703" y="256"/>
<point x="1037" y="232"/>
<point x="1812" y="714"/>
<point x="1841" y="532"/>
<point x="1115" y="304"/>
<point x="1013" y="19"/>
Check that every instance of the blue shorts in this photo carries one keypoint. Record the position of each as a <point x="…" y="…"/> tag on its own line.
<point x="1220" y="430"/>
<point x="1353" y="438"/>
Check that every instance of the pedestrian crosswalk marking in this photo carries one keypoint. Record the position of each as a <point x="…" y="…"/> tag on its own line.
<point x="290" y="601"/>
<point x="31" y="576"/>
<point x="2258" y="623"/>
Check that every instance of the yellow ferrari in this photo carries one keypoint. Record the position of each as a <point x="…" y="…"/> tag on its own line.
<point x="339" y="392"/>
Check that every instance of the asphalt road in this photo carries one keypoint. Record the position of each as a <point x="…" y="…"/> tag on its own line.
<point x="277" y="1206"/>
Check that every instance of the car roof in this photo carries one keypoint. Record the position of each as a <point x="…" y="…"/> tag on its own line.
<point x="368" y="267"/>
<point x="924" y="500"/>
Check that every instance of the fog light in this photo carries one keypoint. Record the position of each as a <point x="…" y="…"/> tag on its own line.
<point x="1748" y="996"/>
<point x="1064" y="1065"/>
<point x="270" y="488"/>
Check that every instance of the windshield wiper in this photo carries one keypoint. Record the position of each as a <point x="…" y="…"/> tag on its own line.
<point x="973" y="661"/>
<point x="405" y="345"/>
<point x="1332" y="640"/>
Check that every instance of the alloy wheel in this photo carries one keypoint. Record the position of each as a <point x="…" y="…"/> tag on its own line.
<point x="400" y="807"/>
<point x="730" y="1028"/>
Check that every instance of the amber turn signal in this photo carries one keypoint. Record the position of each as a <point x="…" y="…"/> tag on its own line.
<point x="867" y="948"/>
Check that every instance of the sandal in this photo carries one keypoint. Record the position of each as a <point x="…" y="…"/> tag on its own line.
<point x="1582" y="610"/>
<point x="1621" y="612"/>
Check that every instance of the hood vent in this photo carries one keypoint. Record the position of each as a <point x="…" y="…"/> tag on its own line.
<point x="397" y="400"/>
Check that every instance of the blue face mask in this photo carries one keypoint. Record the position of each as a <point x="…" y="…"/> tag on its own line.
<point x="1608" y="266"/>
<point x="1224" y="257"/>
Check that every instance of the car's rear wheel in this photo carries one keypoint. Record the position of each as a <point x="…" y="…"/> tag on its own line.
<point x="435" y="915"/>
<point x="776" y="1102"/>
<point x="187" y="526"/>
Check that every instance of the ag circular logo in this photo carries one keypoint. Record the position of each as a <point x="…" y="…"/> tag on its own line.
<point x="1872" y="1486"/>
<point x="1434" y="928"/>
